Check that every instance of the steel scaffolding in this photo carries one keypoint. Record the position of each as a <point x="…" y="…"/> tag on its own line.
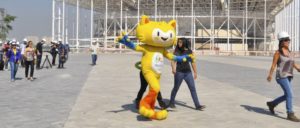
<point x="227" y="25"/>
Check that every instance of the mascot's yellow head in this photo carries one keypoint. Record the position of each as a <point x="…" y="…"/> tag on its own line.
<point x="159" y="34"/>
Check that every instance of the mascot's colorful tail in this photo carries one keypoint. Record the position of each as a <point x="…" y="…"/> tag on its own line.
<point x="147" y="107"/>
<point x="148" y="103"/>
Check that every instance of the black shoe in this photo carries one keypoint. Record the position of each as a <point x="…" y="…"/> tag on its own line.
<point x="200" y="108"/>
<point x="162" y="104"/>
<point x="271" y="107"/>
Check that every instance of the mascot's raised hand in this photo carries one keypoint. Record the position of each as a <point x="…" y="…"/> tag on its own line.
<point x="156" y="38"/>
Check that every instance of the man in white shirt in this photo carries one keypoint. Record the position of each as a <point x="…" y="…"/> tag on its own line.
<point x="22" y="48"/>
<point x="94" y="51"/>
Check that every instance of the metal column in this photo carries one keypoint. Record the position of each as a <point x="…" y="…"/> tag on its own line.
<point x="92" y="21"/>
<point x="155" y="12"/>
<point x="254" y="38"/>
<point x="174" y="10"/>
<point x="265" y="25"/>
<point x="59" y="24"/>
<point x="63" y="22"/>
<point x="53" y="20"/>
<point x="212" y="29"/>
<point x="228" y="21"/>
<point x="77" y="25"/>
<point x="138" y="18"/>
<point x="243" y="36"/>
<point x="246" y="32"/>
<point x="192" y="26"/>
<point x="105" y="24"/>
<point x="121" y="22"/>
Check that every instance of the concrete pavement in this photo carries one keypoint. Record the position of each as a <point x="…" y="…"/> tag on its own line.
<point x="234" y="89"/>
<point x="106" y="99"/>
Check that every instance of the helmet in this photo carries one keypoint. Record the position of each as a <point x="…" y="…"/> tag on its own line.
<point x="59" y="40"/>
<point x="25" y="39"/>
<point x="282" y="35"/>
<point x="18" y="42"/>
<point x="13" y="43"/>
<point x="54" y="41"/>
<point x="44" y="40"/>
<point x="13" y="40"/>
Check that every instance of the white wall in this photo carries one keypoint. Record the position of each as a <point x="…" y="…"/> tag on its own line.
<point x="288" y="20"/>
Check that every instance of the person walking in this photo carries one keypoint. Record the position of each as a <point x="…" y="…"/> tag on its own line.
<point x="61" y="53"/>
<point x="39" y="53"/>
<point x="14" y="56"/>
<point x="54" y="51"/>
<point x="23" y="47"/>
<point x="67" y="47"/>
<point x="283" y="59"/>
<point x="182" y="71"/>
<point x="94" y="51"/>
<point x="29" y="57"/>
<point x="143" y="87"/>
<point x="1" y="57"/>
<point x="6" y="47"/>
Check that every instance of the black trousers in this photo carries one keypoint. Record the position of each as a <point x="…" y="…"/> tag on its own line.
<point x="39" y="60"/>
<point x="27" y="65"/>
<point x="61" y="61"/>
<point x="53" y="58"/>
<point x="143" y="88"/>
<point x="23" y="61"/>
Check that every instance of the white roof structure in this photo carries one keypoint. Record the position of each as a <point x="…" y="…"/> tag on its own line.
<point x="208" y="23"/>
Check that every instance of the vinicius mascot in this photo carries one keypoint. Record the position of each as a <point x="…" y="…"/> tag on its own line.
<point x="156" y="38"/>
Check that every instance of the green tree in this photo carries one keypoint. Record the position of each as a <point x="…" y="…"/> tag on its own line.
<point x="6" y="26"/>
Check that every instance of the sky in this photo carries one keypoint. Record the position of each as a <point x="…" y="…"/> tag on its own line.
<point x="33" y="17"/>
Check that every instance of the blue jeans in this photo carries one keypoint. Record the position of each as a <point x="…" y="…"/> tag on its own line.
<point x="189" y="79"/>
<point x="94" y="59"/>
<point x="13" y="70"/>
<point x="285" y="84"/>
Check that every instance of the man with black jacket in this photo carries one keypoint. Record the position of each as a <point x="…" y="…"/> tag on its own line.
<point x="61" y="53"/>
<point x="39" y="53"/>
<point x="54" y="51"/>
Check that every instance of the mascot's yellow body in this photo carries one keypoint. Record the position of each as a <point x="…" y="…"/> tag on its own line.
<point x="157" y="37"/>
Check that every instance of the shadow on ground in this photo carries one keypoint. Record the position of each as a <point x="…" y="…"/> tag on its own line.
<point x="261" y="111"/>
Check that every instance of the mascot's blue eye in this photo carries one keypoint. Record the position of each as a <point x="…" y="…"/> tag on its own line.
<point x="157" y="33"/>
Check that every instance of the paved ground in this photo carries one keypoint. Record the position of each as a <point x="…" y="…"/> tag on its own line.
<point x="233" y="88"/>
<point x="45" y="102"/>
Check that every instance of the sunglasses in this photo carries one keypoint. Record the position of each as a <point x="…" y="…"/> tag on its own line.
<point x="285" y="40"/>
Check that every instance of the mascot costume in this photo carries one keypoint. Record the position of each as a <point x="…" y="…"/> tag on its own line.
<point x="156" y="38"/>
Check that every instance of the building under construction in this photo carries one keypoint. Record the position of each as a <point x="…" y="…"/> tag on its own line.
<point x="224" y="25"/>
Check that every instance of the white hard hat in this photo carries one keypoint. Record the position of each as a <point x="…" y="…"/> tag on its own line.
<point x="13" y="41"/>
<point x="54" y="41"/>
<point x="44" y="39"/>
<point x="59" y="40"/>
<point x="282" y="35"/>
<point x="18" y="42"/>
<point x="25" y="39"/>
<point x="67" y="42"/>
